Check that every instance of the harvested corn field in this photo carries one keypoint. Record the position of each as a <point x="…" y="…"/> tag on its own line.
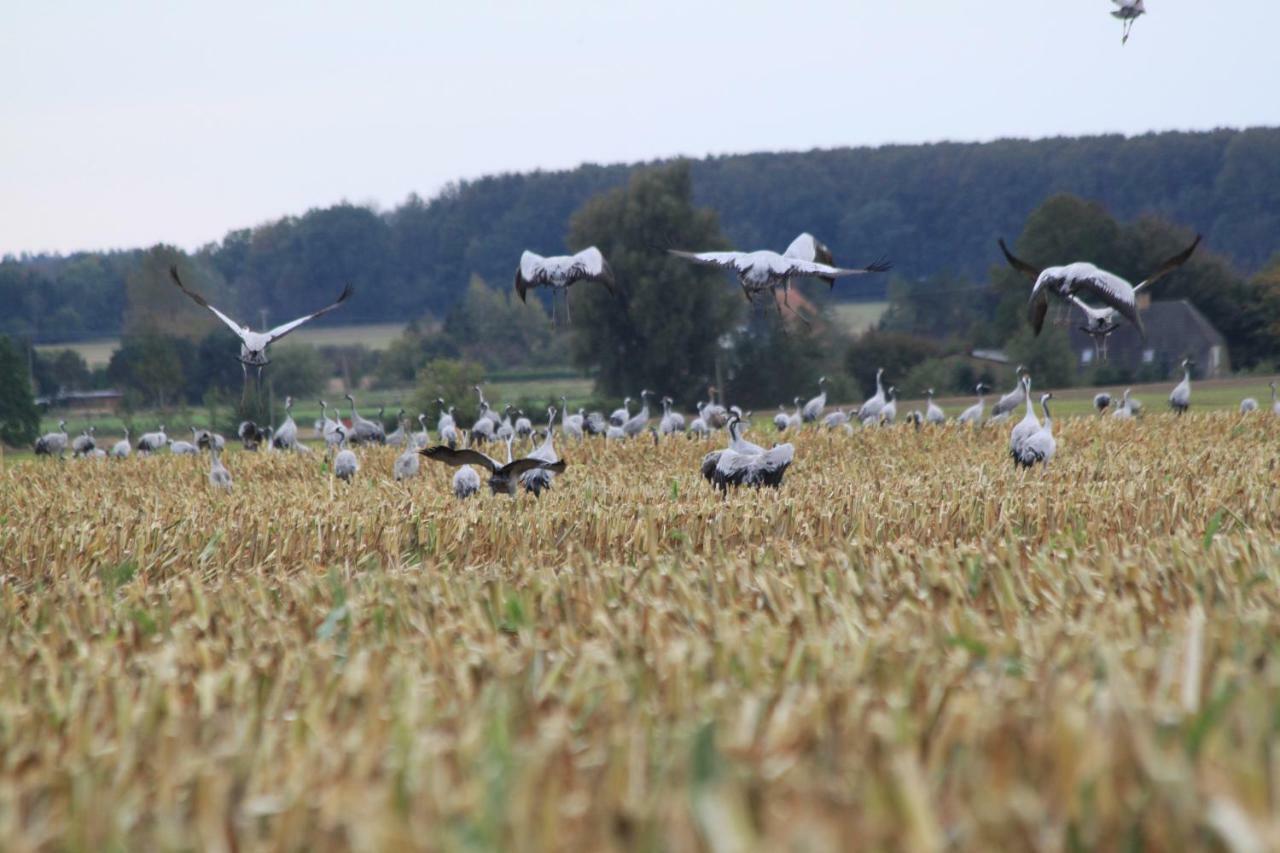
<point x="911" y="644"/>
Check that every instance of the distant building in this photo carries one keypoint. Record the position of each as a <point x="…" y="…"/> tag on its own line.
<point x="82" y="401"/>
<point x="1175" y="330"/>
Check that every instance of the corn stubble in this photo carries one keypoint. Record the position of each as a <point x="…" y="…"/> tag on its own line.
<point x="911" y="645"/>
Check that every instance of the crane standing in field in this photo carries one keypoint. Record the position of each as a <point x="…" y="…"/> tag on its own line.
<point x="1028" y="426"/>
<point x="1180" y="396"/>
<point x="151" y="442"/>
<point x="932" y="411"/>
<point x="121" y="449"/>
<point x="745" y="464"/>
<point x="253" y="345"/>
<point x="365" y="431"/>
<point x="1006" y="404"/>
<point x="672" y="422"/>
<point x="1040" y="446"/>
<point x="539" y="479"/>
<point x="870" y="409"/>
<point x="53" y="443"/>
<point x="1275" y="404"/>
<point x="636" y="424"/>
<point x="814" y="408"/>
<point x="973" y="414"/>
<point x="219" y="476"/>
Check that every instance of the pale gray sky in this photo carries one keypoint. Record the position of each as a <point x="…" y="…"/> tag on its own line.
<point x="131" y="123"/>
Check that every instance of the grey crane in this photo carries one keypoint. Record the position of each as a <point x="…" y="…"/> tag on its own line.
<point x="1248" y="404"/>
<point x="698" y="426"/>
<point x="1128" y="11"/>
<point x="637" y="424"/>
<point x="1007" y="403"/>
<point x="745" y="464"/>
<point x="206" y="439"/>
<point x="183" y="448"/>
<point x="53" y="443"/>
<point x="345" y="463"/>
<point x="622" y="414"/>
<point x="1081" y="277"/>
<point x="522" y="426"/>
<point x="1028" y="426"/>
<point x="715" y="414"/>
<point x="1124" y="408"/>
<point x="539" y="479"/>
<point x="219" y="476"/>
<point x="466" y="482"/>
<point x="287" y="435"/>
<point x="973" y="414"/>
<point x="1039" y="447"/>
<point x="151" y="442"/>
<point x="1180" y="396"/>
<point x="251" y="435"/>
<point x="399" y="437"/>
<point x="406" y="464"/>
<point x="782" y="419"/>
<point x="1275" y="404"/>
<point x="838" y="418"/>
<point x="503" y="478"/>
<point x="331" y="428"/>
<point x="889" y="412"/>
<point x="364" y="431"/>
<point x="505" y="428"/>
<point x="1101" y="401"/>
<point x="571" y="425"/>
<point x="814" y="408"/>
<point x="766" y="271"/>
<point x="870" y="409"/>
<point x="253" y="345"/>
<point x="932" y="411"/>
<point x="84" y="443"/>
<point x="122" y="448"/>
<point x="560" y="272"/>
<point x="672" y="421"/>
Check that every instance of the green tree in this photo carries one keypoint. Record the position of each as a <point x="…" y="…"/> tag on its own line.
<point x="297" y="370"/>
<point x="662" y="330"/>
<point x="19" y="418"/>
<point x="61" y="370"/>
<point x="1047" y="356"/>
<point x="450" y="379"/>
<point x="151" y="365"/>
<point x="896" y="352"/>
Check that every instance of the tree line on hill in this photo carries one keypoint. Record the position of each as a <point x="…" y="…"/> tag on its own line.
<point x="933" y="209"/>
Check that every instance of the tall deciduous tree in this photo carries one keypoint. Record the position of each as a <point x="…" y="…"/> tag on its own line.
<point x="662" y="329"/>
<point x="19" y="418"/>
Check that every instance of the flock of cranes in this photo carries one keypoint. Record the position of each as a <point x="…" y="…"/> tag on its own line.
<point x="739" y="463"/>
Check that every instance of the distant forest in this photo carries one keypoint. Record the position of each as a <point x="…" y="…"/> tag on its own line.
<point x="933" y="209"/>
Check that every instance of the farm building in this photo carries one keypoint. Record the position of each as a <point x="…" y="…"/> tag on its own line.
<point x="82" y="401"/>
<point x="1175" y="330"/>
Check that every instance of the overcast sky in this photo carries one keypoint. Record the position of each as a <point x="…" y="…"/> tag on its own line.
<point x="131" y="123"/>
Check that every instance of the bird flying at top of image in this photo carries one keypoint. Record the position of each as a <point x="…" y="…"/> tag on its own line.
<point x="1128" y="11"/>
<point x="1083" y="277"/>
<point x="253" y="345"/>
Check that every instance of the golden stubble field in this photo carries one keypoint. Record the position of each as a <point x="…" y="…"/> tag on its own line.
<point x="910" y="646"/>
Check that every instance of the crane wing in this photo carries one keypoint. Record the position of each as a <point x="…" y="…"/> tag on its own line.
<point x="520" y="466"/>
<point x="1019" y="264"/>
<point x="280" y="331"/>
<point x="199" y="300"/>
<point x="807" y="247"/>
<point x="1169" y="266"/>
<point x="457" y="458"/>
<point x="827" y="272"/>
<point x="724" y="260"/>
<point x="1037" y="308"/>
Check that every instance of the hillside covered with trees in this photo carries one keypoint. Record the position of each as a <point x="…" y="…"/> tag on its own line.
<point x="934" y="209"/>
